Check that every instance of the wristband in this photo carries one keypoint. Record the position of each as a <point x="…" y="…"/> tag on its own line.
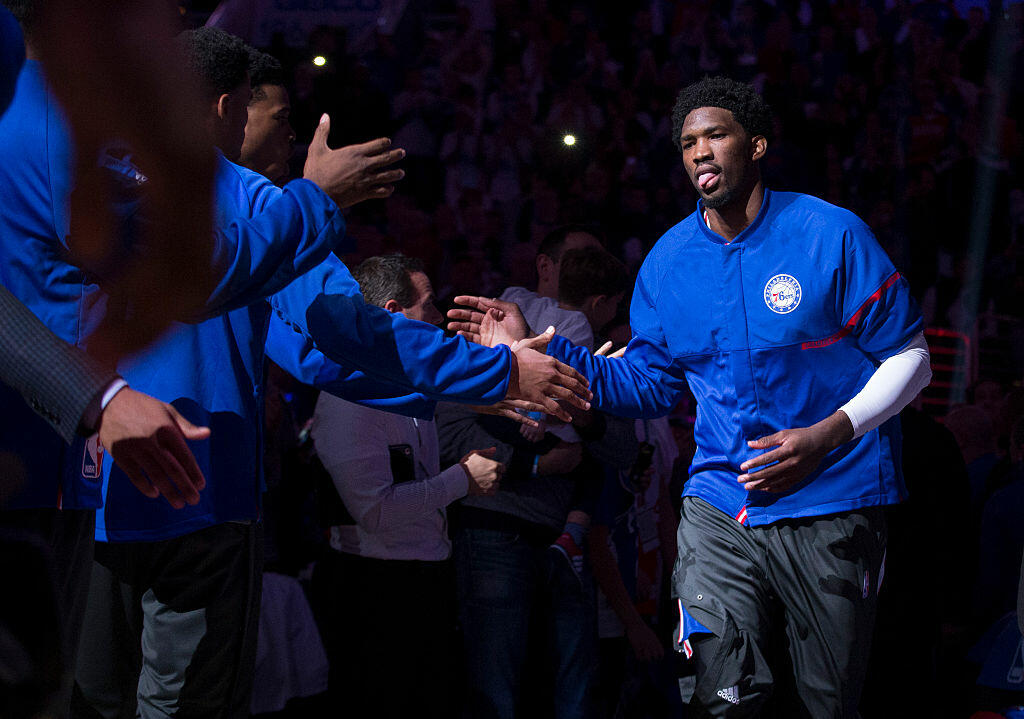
<point x="91" y="416"/>
<point x="116" y="386"/>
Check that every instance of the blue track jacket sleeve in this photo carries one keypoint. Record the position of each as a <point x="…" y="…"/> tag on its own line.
<point x="325" y="306"/>
<point x="874" y="300"/>
<point x="290" y="231"/>
<point x="264" y="236"/>
<point x="645" y="382"/>
<point x="296" y="355"/>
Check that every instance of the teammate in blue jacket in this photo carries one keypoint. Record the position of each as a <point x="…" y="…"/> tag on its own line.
<point x="195" y="571"/>
<point x="800" y="342"/>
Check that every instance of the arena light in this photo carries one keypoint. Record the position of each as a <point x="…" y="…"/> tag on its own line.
<point x="319" y="60"/>
<point x="569" y="140"/>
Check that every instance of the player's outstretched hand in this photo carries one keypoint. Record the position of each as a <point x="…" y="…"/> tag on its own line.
<point x="146" y="437"/>
<point x="798" y="453"/>
<point x="504" y="324"/>
<point x="603" y="351"/>
<point x="511" y="409"/>
<point x="544" y="380"/>
<point x="534" y="433"/>
<point x="352" y="173"/>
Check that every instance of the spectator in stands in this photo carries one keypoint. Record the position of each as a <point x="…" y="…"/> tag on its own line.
<point x="975" y="435"/>
<point x="541" y="307"/>
<point x="573" y="314"/>
<point x="593" y="283"/>
<point x="522" y="607"/>
<point x="389" y="572"/>
<point x="1002" y="540"/>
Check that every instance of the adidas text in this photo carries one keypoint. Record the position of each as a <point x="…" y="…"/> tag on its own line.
<point x="731" y="695"/>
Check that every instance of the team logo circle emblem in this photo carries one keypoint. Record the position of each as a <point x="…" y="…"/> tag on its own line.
<point x="782" y="294"/>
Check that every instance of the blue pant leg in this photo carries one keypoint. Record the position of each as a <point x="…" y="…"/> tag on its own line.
<point x="496" y="574"/>
<point x="572" y="620"/>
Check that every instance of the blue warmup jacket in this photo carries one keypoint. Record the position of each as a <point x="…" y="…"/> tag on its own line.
<point x="774" y="330"/>
<point x="213" y="374"/>
<point x="298" y="355"/>
<point x="255" y="257"/>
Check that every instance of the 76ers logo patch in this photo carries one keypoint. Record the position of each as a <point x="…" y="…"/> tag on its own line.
<point x="782" y="294"/>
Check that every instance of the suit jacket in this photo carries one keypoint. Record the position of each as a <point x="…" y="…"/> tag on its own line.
<point x="56" y="379"/>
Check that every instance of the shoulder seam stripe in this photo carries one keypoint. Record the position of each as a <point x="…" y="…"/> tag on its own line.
<point x="852" y="322"/>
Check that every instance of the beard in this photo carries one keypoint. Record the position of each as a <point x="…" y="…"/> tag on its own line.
<point x="721" y="200"/>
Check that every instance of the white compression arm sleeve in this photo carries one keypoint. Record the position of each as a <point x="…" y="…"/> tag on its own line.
<point x="891" y="388"/>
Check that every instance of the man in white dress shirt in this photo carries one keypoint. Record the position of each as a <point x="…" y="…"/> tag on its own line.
<point x="388" y="583"/>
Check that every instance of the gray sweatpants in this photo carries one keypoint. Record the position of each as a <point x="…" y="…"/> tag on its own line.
<point x="809" y="585"/>
<point x="190" y="608"/>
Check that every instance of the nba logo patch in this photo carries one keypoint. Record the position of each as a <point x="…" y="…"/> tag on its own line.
<point x="782" y="294"/>
<point x="92" y="458"/>
<point x="866" y="588"/>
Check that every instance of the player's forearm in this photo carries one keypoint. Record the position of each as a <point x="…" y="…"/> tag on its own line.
<point x="835" y="430"/>
<point x="260" y="255"/>
<point x="626" y="387"/>
<point x="325" y="305"/>
<point x="297" y="356"/>
<point x="891" y="388"/>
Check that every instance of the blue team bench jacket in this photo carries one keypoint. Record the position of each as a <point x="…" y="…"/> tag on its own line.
<point x="213" y="373"/>
<point x="774" y="330"/>
<point x="255" y="257"/>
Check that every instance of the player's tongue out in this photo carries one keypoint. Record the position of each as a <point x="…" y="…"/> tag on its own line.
<point x="707" y="179"/>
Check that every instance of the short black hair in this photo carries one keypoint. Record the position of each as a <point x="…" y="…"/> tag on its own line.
<point x="219" y="60"/>
<point x="264" y="69"/>
<point x="589" y="271"/>
<point x="388" y="277"/>
<point x="26" y="12"/>
<point x="554" y="241"/>
<point x="739" y="98"/>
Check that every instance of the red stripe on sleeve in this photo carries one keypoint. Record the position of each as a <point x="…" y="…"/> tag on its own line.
<point x="852" y="322"/>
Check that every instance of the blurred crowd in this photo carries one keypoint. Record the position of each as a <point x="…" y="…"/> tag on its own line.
<point x="881" y="108"/>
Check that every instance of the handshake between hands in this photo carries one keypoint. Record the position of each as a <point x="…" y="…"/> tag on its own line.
<point x="539" y="383"/>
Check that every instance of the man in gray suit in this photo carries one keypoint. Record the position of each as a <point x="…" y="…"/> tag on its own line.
<point x="76" y="395"/>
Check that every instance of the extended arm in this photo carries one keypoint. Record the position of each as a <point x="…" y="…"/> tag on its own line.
<point x="258" y="256"/>
<point x="325" y="306"/>
<point x="294" y="229"/>
<point x="643" y="383"/>
<point x="298" y="356"/>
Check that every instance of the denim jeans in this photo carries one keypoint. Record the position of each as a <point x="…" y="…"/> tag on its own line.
<point x="509" y="588"/>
